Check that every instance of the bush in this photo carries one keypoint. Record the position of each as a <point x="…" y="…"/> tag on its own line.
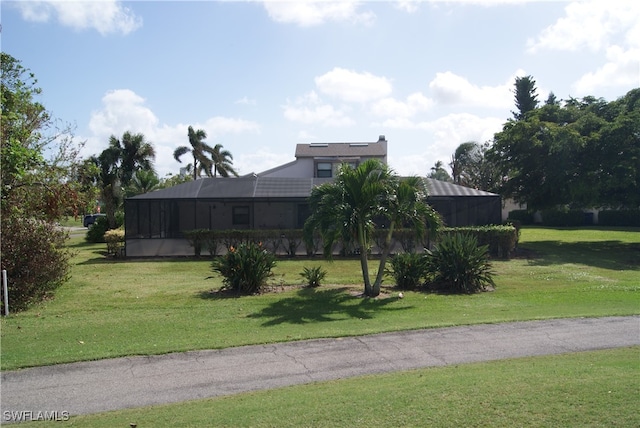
<point x="458" y="265"/>
<point x="407" y="269"/>
<point x="560" y="218"/>
<point x="96" y="231"/>
<point x="313" y="275"/>
<point x="245" y="269"/>
<point x="619" y="218"/>
<point x="523" y="216"/>
<point x="35" y="258"/>
<point x="115" y="241"/>
<point x="500" y="239"/>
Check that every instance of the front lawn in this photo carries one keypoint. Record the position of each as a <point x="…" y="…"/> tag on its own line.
<point x="113" y="308"/>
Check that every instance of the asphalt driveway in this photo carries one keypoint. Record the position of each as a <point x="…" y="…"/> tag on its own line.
<point x="98" y="386"/>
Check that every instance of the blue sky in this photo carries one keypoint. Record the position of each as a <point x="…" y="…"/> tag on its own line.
<point x="260" y="77"/>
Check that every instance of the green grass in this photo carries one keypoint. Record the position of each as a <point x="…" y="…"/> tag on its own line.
<point x="114" y="308"/>
<point x="588" y="389"/>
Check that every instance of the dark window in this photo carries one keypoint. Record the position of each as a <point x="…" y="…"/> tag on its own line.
<point x="241" y="216"/>
<point x="323" y="170"/>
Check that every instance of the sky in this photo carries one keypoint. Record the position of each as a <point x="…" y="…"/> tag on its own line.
<point x="260" y="77"/>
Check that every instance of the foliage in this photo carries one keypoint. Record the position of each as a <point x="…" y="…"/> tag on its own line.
<point x="350" y="208"/>
<point x="210" y="160"/>
<point x="97" y="231"/>
<point x="525" y="217"/>
<point x="245" y="269"/>
<point x="563" y="218"/>
<point x="459" y="265"/>
<point x="35" y="258"/>
<point x="197" y="239"/>
<point x="525" y="96"/>
<point x="115" y="241"/>
<point x="407" y="269"/>
<point x="499" y="239"/>
<point x="439" y="173"/>
<point x="619" y="218"/>
<point x="143" y="181"/>
<point x="313" y="275"/>
<point x="578" y="153"/>
<point x="37" y="187"/>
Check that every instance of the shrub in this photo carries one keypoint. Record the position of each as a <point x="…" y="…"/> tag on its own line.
<point x="407" y="269"/>
<point x="561" y="218"/>
<point x="36" y="260"/>
<point x="245" y="268"/>
<point x="115" y="241"/>
<point x="501" y="239"/>
<point x="457" y="264"/>
<point x="313" y="275"/>
<point x="97" y="230"/>
<point x="197" y="239"/>
<point x="619" y="218"/>
<point x="523" y="216"/>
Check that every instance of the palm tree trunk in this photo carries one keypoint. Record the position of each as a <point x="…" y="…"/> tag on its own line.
<point x="364" y="262"/>
<point x="383" y="260"/>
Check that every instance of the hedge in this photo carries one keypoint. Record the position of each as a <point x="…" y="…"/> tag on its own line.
<point x="501" y="239"/>
<point x="619" y="218"/>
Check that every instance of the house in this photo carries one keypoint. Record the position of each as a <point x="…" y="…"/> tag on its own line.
<point x="155" y="222"/>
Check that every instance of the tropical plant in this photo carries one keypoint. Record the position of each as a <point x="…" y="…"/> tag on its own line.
<point x="313" y="275"/>
<point x="143" y="181"/>
<point x="348" y="209"/>
<point x="246" y="268"/>
<point x="222" y="162"/>
<point x="458" y="265"/>
<point x="134" y="153"/>
<point x="408" y="270"/>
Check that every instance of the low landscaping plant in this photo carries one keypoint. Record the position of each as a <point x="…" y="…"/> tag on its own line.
<point x="407" y="269"/>
<point x="245" y="268"/>
<point x="313" y="275"/>
<point x="458" y="265"/>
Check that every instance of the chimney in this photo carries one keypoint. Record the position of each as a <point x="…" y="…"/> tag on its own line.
<point x="381" y="138"/>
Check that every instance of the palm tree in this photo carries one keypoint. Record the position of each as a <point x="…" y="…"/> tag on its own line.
<point x="222" y="162"/>
<point x="199" y="150"/>
<point x="348" y="208"/>
<point x="143" y="181"/>
<point x="461" y="162"/>
<point x="134" y="154"/>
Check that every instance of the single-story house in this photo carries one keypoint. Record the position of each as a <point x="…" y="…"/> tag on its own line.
<point x="155" y="222"/>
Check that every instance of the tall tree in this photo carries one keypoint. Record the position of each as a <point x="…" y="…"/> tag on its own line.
<point x="348" y="208"/>
<point x="222" y="162"/>
<point x="134" y="154"/>
<point x="143" y="181"/>
<point x="200" y="152"/>
<point x="462" y="161"/>
<point x="439" y="173"/>
<point x="526" y="97"/>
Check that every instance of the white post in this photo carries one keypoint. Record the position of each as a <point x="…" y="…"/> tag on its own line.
<point x="5" y="288"/>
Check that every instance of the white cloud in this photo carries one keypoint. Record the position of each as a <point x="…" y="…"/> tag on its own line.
<point x="310" y="109"/>
<point x="352" y="86"/>
<point x="588" y="24"/>
<point x="409" y="6"/>
<point x="261" y="160"/>
<point x="390" y="107"/>
<point x="307" y="13"/>
<point x="246" y="101"/>
<point x="123" y="110"/>
<point x="621" y="69"/>
<point x="450" y="89"/>
<point x="104" y="16"/>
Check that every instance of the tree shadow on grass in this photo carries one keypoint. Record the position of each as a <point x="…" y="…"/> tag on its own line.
<point x="614" y="255"/>
<point x="312" y="305"/>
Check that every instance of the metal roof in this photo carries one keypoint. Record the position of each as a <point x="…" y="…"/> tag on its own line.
<point x="250" y="187"/>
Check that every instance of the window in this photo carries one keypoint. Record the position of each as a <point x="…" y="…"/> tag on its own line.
<point x="323" y="170"/>
<point x="241" y="216"/>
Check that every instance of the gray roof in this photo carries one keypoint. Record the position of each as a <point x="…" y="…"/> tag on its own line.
<point x="278" y="187"/>
<point x="342" y="150"/>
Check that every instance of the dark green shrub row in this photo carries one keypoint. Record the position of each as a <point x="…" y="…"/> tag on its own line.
<point x="523" y="216"/>
<point x="501" y="240"/>
<point x="212" y="241"/>
<point x="619" y="218"/>
<point x="457" y="264"/>
<point x="559" y="218"/>
<point x="97" y="230"/>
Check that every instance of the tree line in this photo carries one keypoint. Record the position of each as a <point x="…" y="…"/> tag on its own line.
<point x="575" y="153"/>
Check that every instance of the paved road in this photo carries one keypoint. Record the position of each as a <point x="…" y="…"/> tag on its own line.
<point x="98" y="386"/>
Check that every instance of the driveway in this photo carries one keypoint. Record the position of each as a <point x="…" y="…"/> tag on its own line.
<point x="98" y="386"/>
